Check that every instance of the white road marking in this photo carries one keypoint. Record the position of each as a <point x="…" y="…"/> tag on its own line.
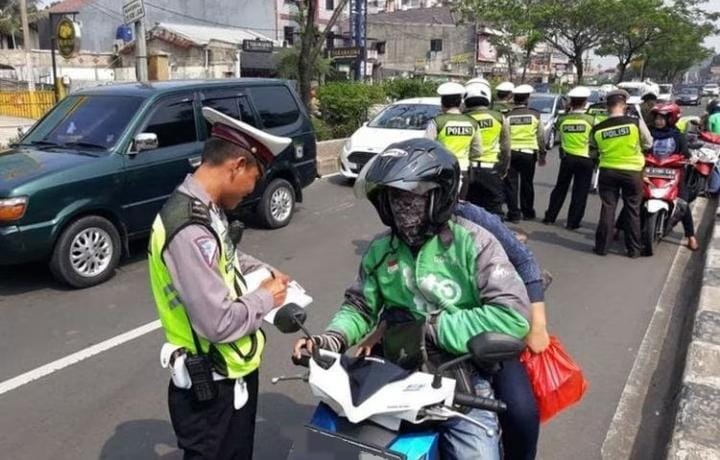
<point x="47" y="369"/>
<point x="327" y="176"/>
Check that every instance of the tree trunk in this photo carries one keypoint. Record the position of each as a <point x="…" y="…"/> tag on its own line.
<point x="307" y="44"/>
<point x="13" y="41"/>
<point x="526" y="61"/>
<point x="622" y="68"/>
<point x="578" y="63"/>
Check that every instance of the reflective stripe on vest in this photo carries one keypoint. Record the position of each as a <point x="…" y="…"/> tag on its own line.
<point x="575" y="134"/>
<point x="455" y="133"/>
<point x="619" y="147"/>
<point x="523" y="132"/>
<point x="233" y="360"/>
<point x="490" y="126"/>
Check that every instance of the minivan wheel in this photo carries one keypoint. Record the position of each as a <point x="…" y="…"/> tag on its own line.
<point x="277" y="204"/>
<point x="87" y="252"/>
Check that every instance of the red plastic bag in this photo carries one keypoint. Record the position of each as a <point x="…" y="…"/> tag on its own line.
<point x="556" y="379"/>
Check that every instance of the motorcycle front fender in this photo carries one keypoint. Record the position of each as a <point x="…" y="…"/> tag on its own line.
<point x="653" y="206"/>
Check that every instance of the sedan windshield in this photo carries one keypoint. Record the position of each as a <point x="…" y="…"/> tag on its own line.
<point x="405" y="116"/>
<point x="87" y="122"/>
<point x="542" y="104"/>
<point x="689" y="92"/>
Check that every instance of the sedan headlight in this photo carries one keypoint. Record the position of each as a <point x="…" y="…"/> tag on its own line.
<point x="347" y="146"/>
<point x="12" y="209"/>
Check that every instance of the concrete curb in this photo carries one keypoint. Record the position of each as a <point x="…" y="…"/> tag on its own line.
<point x="328" y="156"/>
<point x="696" y="435"/>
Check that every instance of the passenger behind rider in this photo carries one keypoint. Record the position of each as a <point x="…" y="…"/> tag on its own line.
<point x="449" y="278"/>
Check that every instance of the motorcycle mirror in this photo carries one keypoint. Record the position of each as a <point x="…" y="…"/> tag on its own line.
<point x="290" y="318"/>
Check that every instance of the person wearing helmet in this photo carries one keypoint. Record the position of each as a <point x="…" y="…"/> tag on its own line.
<point x="527" y="147"/>
<point x="443" y="277"/>
<point x="503" y="97"/>
<point x="713" y="116"/>
<point x="618" y="144"/>
<point x="488" y="169"/>
<point x="456" y="131"/>
<point x="649" y="99"/>
<point x="575" y="165"/>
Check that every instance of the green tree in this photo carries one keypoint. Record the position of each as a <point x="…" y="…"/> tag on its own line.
<point x="668" y="58"/>
<point x="288" y="64"/>
<point x="10" y="23"/>
<point x="311" y="41"/>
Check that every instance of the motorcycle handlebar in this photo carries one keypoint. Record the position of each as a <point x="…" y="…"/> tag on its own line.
<point x="478" y="402"/>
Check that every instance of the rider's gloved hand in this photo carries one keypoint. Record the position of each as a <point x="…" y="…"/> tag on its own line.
<point x="331" y="341"/>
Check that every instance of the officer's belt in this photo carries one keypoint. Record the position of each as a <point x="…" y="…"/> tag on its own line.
<point x="482" y="164"/>
<point x="529" y="151"/>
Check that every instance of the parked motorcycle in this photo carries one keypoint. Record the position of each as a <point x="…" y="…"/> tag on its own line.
<point x="705" y="159"/>
<point x="662" y="208"/>
<point x="372" y="408"/>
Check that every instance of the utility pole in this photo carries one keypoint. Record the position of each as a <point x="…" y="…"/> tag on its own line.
<point x="140" y="51"/>
<point x="26" y="45"/>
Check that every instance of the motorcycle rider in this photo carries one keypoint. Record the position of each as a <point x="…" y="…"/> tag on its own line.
<point x="489" y="169"/>
<point x="618" y="144"/>
<point x="667" y="140"/>
<point x="575" y="165"/>
<point x="527" y="146"/>
<point x="649" y="99"/>
<point x="713" y="116"/>
<point x="456" y="131"/>
<point x="444" y="274"/>
<point x="503" y="102"/>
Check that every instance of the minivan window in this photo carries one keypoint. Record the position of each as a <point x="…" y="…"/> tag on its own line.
<point x="90" y="121"/>
<point x="275" y="105"/>
<point x="232" y="106"/>
<point x="173" y="123"/>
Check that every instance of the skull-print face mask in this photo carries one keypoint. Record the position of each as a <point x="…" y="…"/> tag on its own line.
<point x="410" y="216"/>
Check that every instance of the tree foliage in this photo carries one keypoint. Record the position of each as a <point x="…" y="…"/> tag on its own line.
<point x="288" y="64"/>
<point x="10" y="22"/>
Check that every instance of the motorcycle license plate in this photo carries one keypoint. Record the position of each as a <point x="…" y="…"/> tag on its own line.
<point x="661" y="173"/>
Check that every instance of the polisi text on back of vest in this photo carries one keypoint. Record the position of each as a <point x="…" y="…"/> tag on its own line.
<point x="458" y="130"/>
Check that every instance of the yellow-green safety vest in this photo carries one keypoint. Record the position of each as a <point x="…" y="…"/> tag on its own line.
<point x="574" y="129"/>
<point x="455" y="132"/>
<point x="234" y="359"/>
<point x="619" y="145"/>
<point x="490" y="126"/>
<point x="523" y="131"/>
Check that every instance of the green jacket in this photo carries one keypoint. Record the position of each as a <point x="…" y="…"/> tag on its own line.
<point x="463" y="274"/>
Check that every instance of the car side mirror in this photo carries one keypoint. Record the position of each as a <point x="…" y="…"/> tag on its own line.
<point x="290" y="318"/>
<point x="494" y="347"/>
<point x="145" y="141"/>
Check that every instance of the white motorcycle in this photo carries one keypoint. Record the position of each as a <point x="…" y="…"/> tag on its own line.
<point x="372" y="408"/>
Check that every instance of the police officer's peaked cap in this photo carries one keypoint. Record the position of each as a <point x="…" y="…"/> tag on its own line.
<point x="523" y="89"/>
<point x="618" y="93"/>
<point x="265" y="147"/>
<point x="579" y="92"/>
<point x="451" y="89"/>
<point x="506" y="86"/>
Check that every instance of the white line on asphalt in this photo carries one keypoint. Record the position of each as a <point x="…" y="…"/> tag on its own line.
<point x="327" y="176"/>
<point x="47" y="369"/>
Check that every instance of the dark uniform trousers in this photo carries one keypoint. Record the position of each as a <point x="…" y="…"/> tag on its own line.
<point x="214" y="429"/>
<point x="520" y="178"/>
<point x="579" y="171"/>
<point x="487" y="190"/>
<point x="611" y="185"/>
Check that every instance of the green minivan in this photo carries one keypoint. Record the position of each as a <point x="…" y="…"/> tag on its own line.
<point x="92" y="174"/>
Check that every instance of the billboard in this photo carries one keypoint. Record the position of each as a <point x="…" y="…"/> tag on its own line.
<point x="486" y="52"/>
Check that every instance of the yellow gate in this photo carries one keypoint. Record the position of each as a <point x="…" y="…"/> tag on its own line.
<point x="26" y="104"/>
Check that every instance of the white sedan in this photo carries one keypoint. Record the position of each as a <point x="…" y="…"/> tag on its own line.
<point x="400" y="121"/>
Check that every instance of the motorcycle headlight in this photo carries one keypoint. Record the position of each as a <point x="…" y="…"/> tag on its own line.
<point x="12" y="209"/>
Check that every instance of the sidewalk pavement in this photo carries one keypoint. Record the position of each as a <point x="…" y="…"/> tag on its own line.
<point x="696" y="435"/>
<point x="9" y="127"/>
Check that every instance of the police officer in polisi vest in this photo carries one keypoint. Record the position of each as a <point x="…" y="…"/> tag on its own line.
<point x="618" y="144"/>
<point x="527" y="147"/>
<point x="576" y="166"/>
<point x="503" y="102"/>
<point x="456" y="131"/>
<point x="487" y="170"/>
<point x="211" y="322"/>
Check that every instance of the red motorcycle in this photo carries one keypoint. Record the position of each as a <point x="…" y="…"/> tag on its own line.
<point x="662" y="208"/>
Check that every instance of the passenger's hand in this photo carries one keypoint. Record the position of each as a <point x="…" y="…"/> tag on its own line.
<point x="328" y="341"/>
<point x="537" y="339"/>
<point x="303" y="344"/>
<point x="542" y="162"/>
<point x="277" y="286"/>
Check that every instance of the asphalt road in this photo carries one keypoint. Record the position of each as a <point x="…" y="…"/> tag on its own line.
<point x="113" y="405"/>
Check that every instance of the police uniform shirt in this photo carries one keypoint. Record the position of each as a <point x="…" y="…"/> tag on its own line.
<point x="192" y="257"/>
<point x="431" y="132"/>
<point x="517" y="114"/>
<point x="646" y="140"/>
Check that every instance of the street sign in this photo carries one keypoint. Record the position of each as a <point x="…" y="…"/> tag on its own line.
<point x="258" y="46"/>
<point x="133" y="11"/>
<point x="345" y="53"/>
<point x="67" y="36"/>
